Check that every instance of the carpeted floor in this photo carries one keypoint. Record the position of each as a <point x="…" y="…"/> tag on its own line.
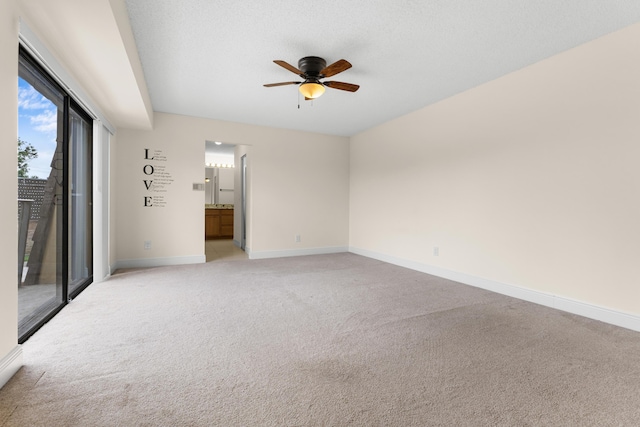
<point x="330" y="340"/>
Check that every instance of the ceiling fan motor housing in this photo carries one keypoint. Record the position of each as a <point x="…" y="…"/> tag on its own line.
<point x="312" y="65"/>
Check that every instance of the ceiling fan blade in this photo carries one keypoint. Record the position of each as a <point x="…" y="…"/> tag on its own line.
<point x="335" y="68"/>
<point x="342" y="86"/>
<point x="288" y="66"/>
<point x="281" y="84"/>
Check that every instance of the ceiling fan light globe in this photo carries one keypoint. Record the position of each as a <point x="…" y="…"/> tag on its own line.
<point x="311" y="90"/>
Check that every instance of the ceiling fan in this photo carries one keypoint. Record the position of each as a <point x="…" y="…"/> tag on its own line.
<point x="313" y="69"/>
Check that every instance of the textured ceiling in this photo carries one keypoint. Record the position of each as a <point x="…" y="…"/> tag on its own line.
<point x="210" y="58"/>
<point x="223" y="149"/>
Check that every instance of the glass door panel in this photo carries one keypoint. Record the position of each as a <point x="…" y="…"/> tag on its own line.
<point x="80" y="224"/>
<point x="40" y="197"/>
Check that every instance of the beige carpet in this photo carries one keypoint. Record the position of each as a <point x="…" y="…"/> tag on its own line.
<point x="332" y="340"/>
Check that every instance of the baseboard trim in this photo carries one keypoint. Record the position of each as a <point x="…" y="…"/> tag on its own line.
<point x="10" y="364"/>
<point x="590" y="311"/>
<point x="297" y="252"/>
<point x="158" y="262"/>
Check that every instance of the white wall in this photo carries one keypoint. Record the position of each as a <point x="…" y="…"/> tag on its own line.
<point x="10" y="356"/>
<point x="176" y="231"/>
<point x="531" y="180"/>
<point x="226" y="186"/>
<point x="213" y="158"/>
<point x="298" y="186"/>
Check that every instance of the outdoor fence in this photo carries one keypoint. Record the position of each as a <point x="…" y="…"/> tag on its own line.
<point x="31" y="189"/>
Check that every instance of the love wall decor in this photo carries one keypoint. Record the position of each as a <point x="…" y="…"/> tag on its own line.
<point x="156" y="178"/>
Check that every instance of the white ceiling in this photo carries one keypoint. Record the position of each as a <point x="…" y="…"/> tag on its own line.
<point x="222" y="148"/>
<point x="210" y="58"/>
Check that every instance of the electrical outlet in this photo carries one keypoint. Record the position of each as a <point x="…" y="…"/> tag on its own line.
<point x="297" y="238"/>
<point x="436" y="251"/>
<point x="147" y="244"/>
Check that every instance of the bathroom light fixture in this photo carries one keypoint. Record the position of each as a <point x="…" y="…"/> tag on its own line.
<point x="219" y="165"/>
<point x="311" y="89"/>
<point x="218" y="143"/>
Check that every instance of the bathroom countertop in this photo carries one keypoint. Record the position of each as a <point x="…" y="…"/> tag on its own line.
<point x="219" y="206"/>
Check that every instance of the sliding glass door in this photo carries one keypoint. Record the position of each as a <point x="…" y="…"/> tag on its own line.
<point x="80" y="224"/>
<point x="54" y="197"/>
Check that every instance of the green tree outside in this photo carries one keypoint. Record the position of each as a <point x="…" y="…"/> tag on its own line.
<point x="26" y="152"/>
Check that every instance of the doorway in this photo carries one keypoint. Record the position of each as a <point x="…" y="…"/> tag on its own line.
<point x="222" y="211"/>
